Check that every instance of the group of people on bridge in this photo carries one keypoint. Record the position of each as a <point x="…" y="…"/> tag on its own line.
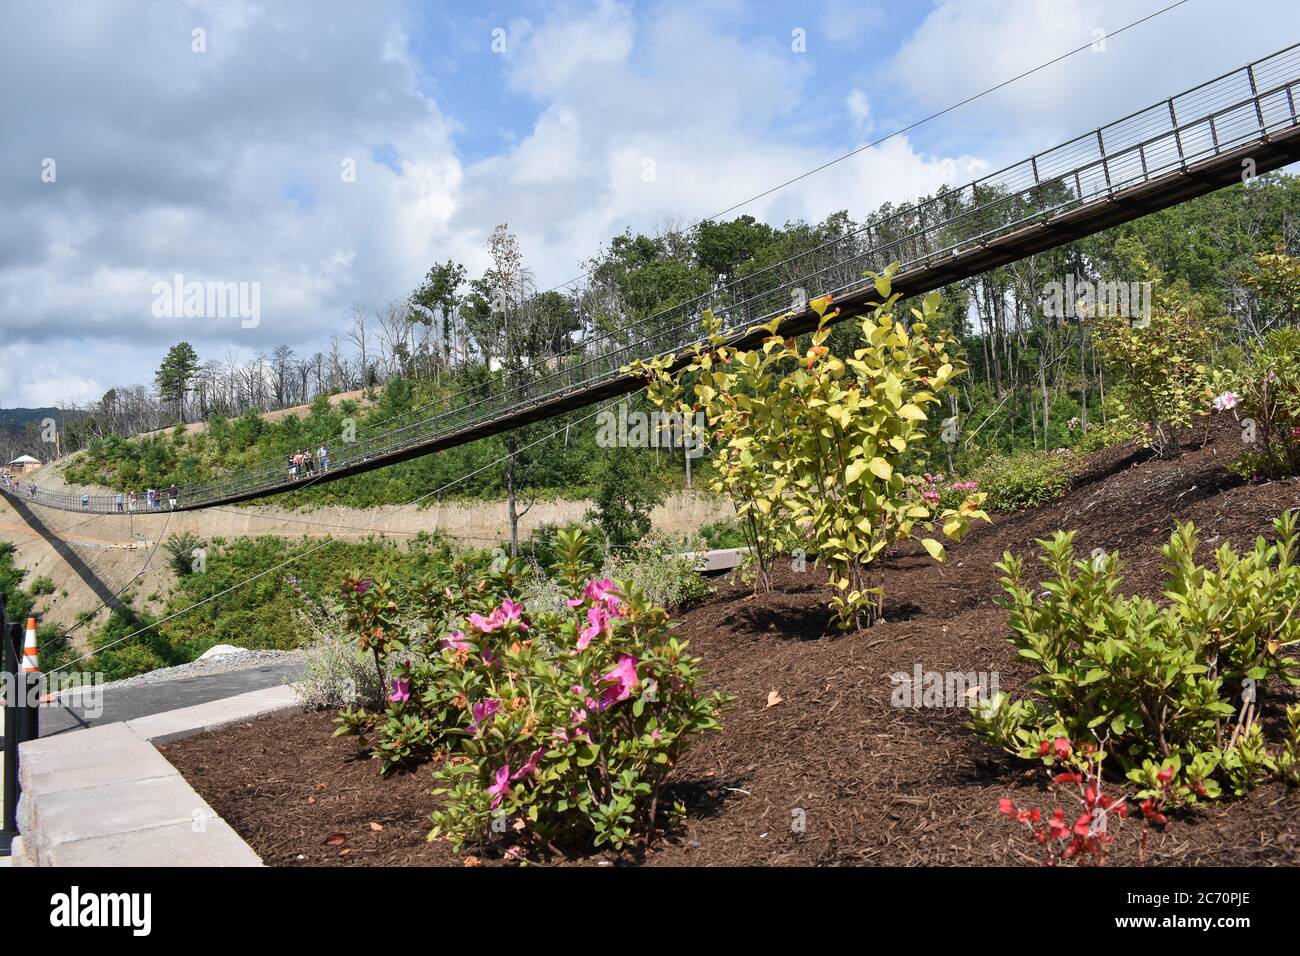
<point x="152" y="498"/>
<point x="302" y="464"/>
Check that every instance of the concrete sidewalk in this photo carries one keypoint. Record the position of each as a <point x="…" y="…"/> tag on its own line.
<point x="105" y="796"/>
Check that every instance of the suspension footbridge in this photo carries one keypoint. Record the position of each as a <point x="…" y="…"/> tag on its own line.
<point x="1226" y="130"/>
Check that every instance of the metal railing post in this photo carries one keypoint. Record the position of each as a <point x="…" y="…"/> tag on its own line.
<point x="1254" y="91"/>
<point x="1178" y="136"/>
<point x="1105" y="166"/>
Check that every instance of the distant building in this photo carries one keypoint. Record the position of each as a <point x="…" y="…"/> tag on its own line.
<point x="23" y="464"/>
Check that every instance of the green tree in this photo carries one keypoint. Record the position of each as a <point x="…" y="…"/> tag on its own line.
<point x="627" y="490"/>
<point x="174" y="376"/>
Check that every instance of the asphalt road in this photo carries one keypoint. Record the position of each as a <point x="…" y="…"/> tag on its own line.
<point x="141" y="700"/>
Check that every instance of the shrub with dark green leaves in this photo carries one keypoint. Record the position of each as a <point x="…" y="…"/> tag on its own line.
<point x="42" y="586"/>
<point x="1170" y="688"/>
<point x="183" y="547"/>
<point x="1024" y="480"/>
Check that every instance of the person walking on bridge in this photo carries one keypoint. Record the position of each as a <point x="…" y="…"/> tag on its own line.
<point x="118" y="502"/>
<point x="323" y="456"/>
<point x="131" y="500"/>
<point x="85" y="501"/>
<point x="171" y="496"/>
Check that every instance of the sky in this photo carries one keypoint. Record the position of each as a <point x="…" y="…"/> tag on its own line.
<point x="326" y="154"/>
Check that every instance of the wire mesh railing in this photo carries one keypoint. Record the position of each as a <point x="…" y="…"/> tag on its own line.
<point x="1244" y="106"/>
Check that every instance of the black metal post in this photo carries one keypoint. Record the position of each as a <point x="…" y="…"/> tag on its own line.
<point x="11" y="734"/>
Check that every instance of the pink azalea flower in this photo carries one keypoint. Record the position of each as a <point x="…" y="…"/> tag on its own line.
<point x="481" y="711"/>
<point x="508" y="613"/>
<point x="456" y="641"/>
<point x="620" y="681"/>
<point x="597" y="624"/>
<point x="529" y="766"/>
<point x="401" y="691"/>
<point x="1226" y="401"/>
<point x="511" y="612"/>
<point x="501" y="787"/>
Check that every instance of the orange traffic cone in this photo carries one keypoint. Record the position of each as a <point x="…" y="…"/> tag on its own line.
<point x="31" y="662"/>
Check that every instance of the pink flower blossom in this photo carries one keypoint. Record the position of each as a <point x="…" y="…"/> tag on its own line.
<point x="619" y="681"/>
<point x="456" y="641"/>
<point x="501" y="787"/>
<point x="597" y="624"/>
<point x="480" y="711"/>
<point x="530" y="765"/>
<point x="510" y="612"/>
<point x="401" y="691"/>
<point x="1226" y="401"/>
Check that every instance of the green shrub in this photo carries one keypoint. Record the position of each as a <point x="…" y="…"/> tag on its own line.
<point x="628" y="489"/>
<point x="335" y="674"/>
<point x="812" y="446"/>
<point x="665" y="578"/>
<point x="1117" y="429"/>
<point x="1024" y="480"/>
<point x="1167" y="688"/>
<point x="557" y="727"/>
<point x="42" y="586"/>
<point x="1264" y="394"/>
<point x="1159" y="362"/>
<point x="182" y="547"/>
<point x="723" y="534"/>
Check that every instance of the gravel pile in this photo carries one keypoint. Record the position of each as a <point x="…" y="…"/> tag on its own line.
<point x="225" y="663"/>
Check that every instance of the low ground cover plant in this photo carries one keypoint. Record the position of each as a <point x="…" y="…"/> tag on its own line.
<point x="1162" y="689"/>
<point x="1083" y="835"/>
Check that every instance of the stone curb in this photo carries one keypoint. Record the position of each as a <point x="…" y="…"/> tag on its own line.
<point x="105" y="796"/>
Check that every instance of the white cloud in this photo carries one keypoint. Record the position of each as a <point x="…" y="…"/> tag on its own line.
<point x="226" y="165"/>
<point x="859" y="107"/>
<point x="965" y="46"/>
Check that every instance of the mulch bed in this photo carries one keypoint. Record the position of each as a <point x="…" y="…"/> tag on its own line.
<point x="868" y="782"/>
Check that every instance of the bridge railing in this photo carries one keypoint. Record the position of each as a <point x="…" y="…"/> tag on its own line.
<point x="1240" y="107"/>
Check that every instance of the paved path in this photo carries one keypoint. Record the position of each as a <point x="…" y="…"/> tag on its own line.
<point x="142" y="700"/>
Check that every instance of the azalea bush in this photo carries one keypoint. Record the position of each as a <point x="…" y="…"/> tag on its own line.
<point x="418" y="656"/>
<point x="1263" y="393"/>
<point x="571" y="724"/>
<point x="1167" y="688"/>
<point x="813" y="445"/>
<point x="562" y="723"/>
